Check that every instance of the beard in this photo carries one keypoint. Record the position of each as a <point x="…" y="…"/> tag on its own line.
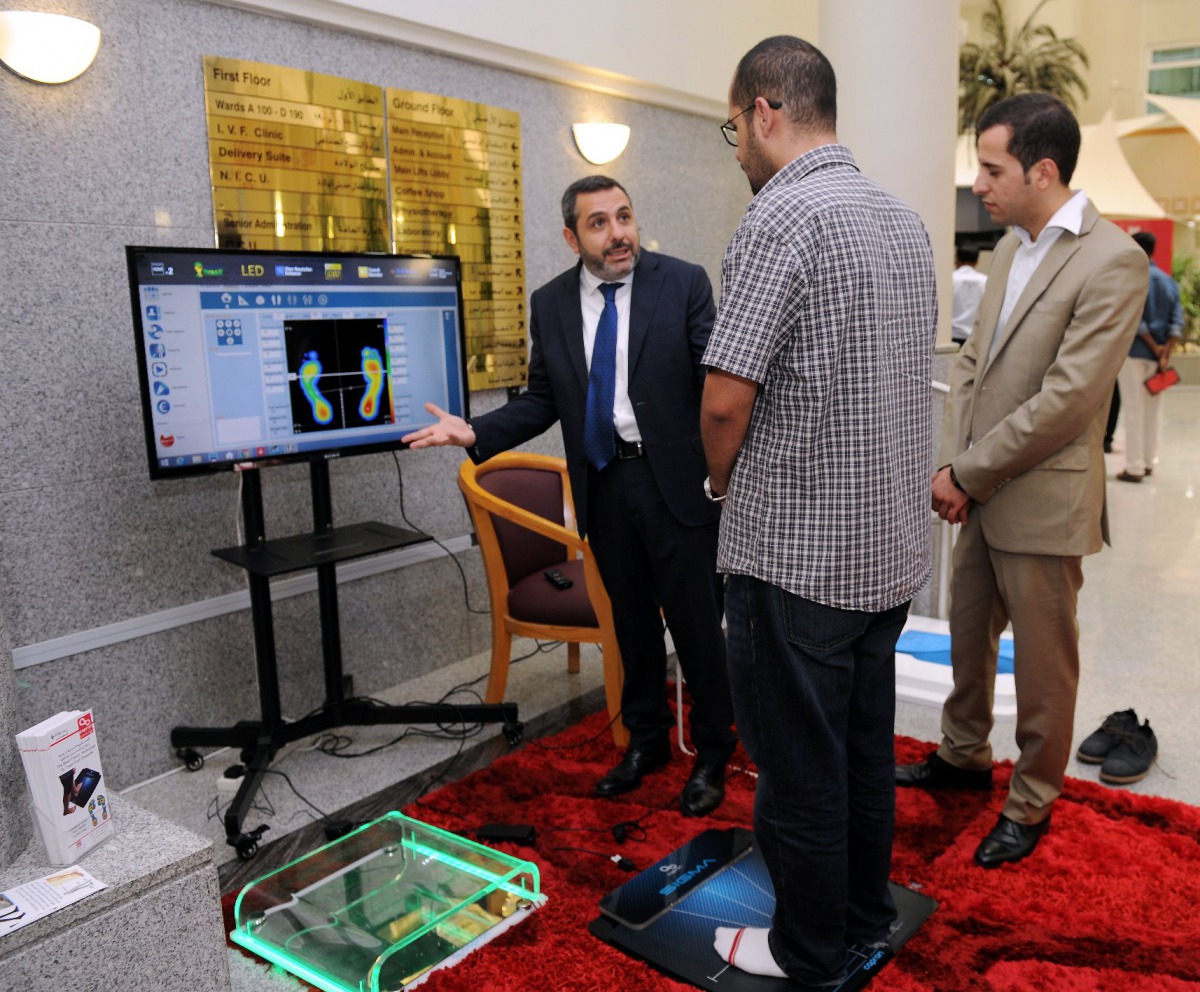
<point x="601" y="268"/>
<point x="755" y="164"/>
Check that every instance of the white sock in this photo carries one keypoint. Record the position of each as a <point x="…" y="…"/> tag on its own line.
<point x="747" y="949"/>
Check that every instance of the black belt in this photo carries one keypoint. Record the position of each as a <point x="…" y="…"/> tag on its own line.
<point x="630" y="449"/>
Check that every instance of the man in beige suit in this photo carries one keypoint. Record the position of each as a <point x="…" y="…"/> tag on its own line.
<point x="1022" y="463"/>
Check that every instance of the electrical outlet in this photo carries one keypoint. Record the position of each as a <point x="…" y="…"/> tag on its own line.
<point x="226" y="784"/>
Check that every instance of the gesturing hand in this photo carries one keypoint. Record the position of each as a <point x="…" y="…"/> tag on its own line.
<point x="449" y="429"/>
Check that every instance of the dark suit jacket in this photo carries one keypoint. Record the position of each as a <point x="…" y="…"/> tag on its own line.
<point x="670" y="318"/>
<point x="1025" y="427"/>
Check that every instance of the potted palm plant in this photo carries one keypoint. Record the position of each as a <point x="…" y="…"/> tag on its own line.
<point x="1033" y="59"/>
<point x="1186" y="271"/>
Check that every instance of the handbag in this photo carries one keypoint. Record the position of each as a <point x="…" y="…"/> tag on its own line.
<point x="1161" y="380"/>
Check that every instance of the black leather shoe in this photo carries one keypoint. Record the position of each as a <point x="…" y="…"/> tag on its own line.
<point x="936" y="773"/>
<point x="635" y="765"/>
<point x="704" y="790"/>
<point x="1009" y="841"/>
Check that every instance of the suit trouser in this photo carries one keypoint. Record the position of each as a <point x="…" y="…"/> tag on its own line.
<point x="650" y="561"/>
<point x="1143" y="415"/>
<point x="1038" y="593"/>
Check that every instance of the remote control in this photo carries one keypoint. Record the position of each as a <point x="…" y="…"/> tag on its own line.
<point x="557" y="579"/>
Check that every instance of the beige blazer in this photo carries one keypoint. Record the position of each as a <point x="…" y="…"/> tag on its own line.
<point x="1024" y="430"/>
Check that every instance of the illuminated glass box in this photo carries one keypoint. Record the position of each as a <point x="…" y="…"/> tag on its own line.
<point x="381" y="907"/>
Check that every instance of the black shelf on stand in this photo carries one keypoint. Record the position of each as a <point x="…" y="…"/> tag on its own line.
<point x="260" y="740"/>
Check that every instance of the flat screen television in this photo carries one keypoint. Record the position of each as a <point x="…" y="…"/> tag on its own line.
<point x="273" y="356"/>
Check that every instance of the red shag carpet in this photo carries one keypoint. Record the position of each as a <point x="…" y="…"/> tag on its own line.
<point x="1109" y="902"/>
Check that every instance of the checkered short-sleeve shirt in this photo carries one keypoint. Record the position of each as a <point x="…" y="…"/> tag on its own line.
<point x="828" y="302"/>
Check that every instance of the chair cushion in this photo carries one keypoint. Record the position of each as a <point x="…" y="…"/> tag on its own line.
<point x="535" y="600"/>
<point x="541" y="492"/>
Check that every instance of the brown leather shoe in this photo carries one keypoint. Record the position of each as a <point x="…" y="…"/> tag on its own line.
<point x="936" y="773"/>
<point x="1128" y="476"/>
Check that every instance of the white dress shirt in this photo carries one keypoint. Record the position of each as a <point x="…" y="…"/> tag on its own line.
<point x="591" y="302"/>
<point x="1030" y="253"/>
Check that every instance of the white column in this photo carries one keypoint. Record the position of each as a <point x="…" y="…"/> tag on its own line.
<point x="897" y="75"/>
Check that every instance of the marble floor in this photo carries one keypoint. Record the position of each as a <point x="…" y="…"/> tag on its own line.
<point x="1139" y="614"/>
<point x="1139" y="618"/>
<point x="307" y="786"/>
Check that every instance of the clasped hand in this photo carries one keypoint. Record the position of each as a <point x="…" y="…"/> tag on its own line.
<point x="949" y="502"/>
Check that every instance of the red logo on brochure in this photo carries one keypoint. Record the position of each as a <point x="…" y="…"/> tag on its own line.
<point x="86" y="725"/>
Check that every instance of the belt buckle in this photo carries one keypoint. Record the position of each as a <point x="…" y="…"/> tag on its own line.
<point x="630" y="449"/>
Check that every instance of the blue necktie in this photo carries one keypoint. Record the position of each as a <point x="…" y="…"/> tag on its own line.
<point x="599" y="438"/>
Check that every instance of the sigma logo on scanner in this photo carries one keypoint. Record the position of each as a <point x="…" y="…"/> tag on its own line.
<point x="683" y="878"/>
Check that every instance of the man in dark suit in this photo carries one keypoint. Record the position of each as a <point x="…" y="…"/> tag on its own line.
<point x="631" y="432"/>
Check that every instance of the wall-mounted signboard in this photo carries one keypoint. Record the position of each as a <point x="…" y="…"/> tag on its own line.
<point x="308" y="161"/>
<point x="297" y="159"/>
<point x="455" y="170"/>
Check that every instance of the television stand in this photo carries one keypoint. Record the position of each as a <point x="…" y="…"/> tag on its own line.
<point x="260" y="740"/>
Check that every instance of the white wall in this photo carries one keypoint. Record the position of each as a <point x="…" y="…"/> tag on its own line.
<point x="677" y="53"/>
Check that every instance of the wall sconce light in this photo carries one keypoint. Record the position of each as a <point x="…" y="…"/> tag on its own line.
<point x="47" y="48"/>
<point x="600" y="143"/>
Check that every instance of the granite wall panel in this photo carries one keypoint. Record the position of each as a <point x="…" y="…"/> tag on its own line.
<point x="118" y="157"/>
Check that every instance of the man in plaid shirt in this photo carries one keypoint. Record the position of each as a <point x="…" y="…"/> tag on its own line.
<point x="817" y="427"/>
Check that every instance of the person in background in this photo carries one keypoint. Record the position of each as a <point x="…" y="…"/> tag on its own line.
<point x="616" y="343"/>
<point x="1114" y="412"/>
<point x="968" y="284"/>
<point x="816" y="424"/>
<point x="1022" y="462"/>
<point x="1161" y="328"/>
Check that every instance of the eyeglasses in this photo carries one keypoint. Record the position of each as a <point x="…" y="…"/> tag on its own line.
<point x="730" y="132"/>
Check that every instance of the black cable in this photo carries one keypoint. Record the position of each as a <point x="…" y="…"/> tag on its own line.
<point x="283" y="775"/>
<point x="216" y="808"/>
<point x="621" y="831"/>
<point x="541" y="647"/>
<point x="445" y="772"/>
<point x="619" y="860"/>
<point x="335" y="745"/>
<point x="330" y="704"/>
<point x="571" y="747"/>
<point x="450" y="554"/>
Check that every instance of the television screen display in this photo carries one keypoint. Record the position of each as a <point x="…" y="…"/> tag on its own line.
<point x="264" y="356"/>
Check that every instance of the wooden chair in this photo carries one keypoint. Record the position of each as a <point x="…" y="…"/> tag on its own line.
<point x="522" y="511"/>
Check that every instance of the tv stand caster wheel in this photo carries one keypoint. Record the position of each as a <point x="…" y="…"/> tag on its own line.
<point x="193" y="759"/>
<point x="246" y="844"/>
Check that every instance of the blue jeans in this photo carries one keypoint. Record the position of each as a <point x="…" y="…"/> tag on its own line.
<point x="814" y="693"/>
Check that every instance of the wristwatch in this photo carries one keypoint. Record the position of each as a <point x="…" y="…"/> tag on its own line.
<point x="954" y="480"/>
<point x="710" y="495"/>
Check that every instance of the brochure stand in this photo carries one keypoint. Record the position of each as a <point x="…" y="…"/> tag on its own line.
<point x="260" y="740"/>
